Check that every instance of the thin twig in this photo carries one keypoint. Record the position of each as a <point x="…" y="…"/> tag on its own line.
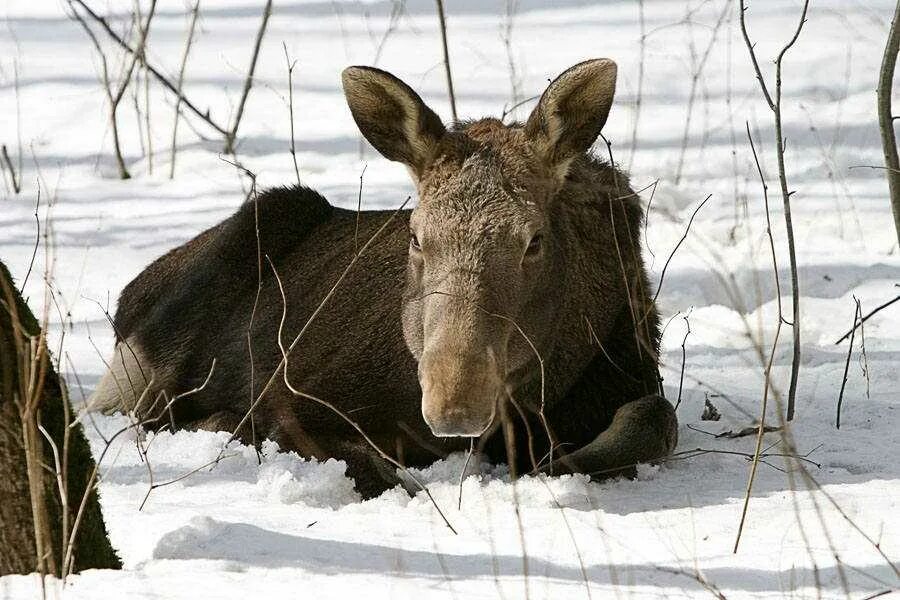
<point x="775" y="106"/>
<point x="462" y="474"/>
<point x="180" y="99"/>
<point x="768" y="372"/>
<point x="37" y="239"/>
<point x="866" y="318"/>
<point x="687" y="322"/>
<point x="687" y="229"/>
<point x="856" y="317"/>
<point x="358" y="209"/>
<point x="231" y="136"/>
<point x="16" y="181"/>
<point x="290" y="69"/>
<point x="443" y="26"/>
<point x="204" y="115"/>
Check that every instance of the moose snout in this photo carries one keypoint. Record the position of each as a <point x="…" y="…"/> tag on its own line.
<point x="460" y="388"/>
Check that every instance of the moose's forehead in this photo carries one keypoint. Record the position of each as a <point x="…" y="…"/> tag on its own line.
<point x="482" y="191"/>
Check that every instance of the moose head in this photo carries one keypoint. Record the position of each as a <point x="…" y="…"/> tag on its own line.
<point x="488" y="247"/>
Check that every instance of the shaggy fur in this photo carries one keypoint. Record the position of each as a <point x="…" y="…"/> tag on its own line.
<point x="523" y="251"/>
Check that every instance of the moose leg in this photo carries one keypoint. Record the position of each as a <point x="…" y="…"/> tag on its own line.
<point x="371" y="473"/>
<point x="642" y="431"/>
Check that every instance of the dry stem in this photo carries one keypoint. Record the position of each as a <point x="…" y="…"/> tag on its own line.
<point x="775" y="106"/>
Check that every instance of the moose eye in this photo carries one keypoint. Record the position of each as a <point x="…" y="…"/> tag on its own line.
<point x="535" y="245"/>
<point x="414" y="242"/>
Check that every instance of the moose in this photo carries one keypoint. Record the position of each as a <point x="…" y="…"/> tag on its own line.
<point x="510" y="305"/>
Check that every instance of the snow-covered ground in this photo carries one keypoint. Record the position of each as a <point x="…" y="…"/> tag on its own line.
<point x="295" y="528"/>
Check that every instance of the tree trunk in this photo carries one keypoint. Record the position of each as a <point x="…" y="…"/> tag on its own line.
<point x="33" y="397"/>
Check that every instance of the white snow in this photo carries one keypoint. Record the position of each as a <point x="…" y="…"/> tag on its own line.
<point x="279" y="525"/>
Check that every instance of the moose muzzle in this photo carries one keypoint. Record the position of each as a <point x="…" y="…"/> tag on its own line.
<point x="460" y="390"/>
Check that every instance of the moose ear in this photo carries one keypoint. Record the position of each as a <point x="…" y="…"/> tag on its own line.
<point x="572" y="111"/>
<point x="392" y="116"/>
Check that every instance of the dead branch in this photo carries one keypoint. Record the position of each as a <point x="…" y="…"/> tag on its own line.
<point x="857" y="315"/>
<point x="166" y="83"/>
<point x="639" y="94"/>
<point x="358" y="209"/>
<point x="697" y="576"/>
<point x="195" y="11"/>
<point x="698" y="65"/>
<point x="886" y="118"/>
<point x="37" y="239"/>
<point x="231" y="136"/>
<point x="698" y="452"/>
<point x="508" y="111"/>
<point x="687" y="229"/>
<point x="775" y="106"/>
<point x="866" y="318"/>
<point x="7" y="162"/>
<point x="768" y="372"/>
<point x="462" y="474"/>
<point x="864" y="357"/>
<point x="443" y="27"/>
<point x="506" y="36"/>
<point x="687" y="322"/>
<point x="115" y="97"/>
<point x="290" y="68"/>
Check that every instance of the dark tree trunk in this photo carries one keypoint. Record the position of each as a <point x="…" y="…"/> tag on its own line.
<point x="32" y="396"/>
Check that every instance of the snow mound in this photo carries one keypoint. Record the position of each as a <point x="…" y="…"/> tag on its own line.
<point x="278" y="477"/>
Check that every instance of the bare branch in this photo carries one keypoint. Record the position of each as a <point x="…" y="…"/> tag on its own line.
<point x="768" y="372"/>
<point x="7" y="162"/>
<point x="231" y="136"/>
<point x="443" y="25"/>
<point x="204" y="115"/>
<point x="857" y="315"/>
<point x="866" y="318"/>
<point x="180" y="83"/>
<point x="775" y="106"/>
<point x="290" y="65"/>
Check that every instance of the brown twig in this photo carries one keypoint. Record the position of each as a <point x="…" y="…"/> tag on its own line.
<point x="639" y="94"/>
<point x="290" y="69"/>
<point x="195" y="11"/>
<point x="768" y="372"/>
<point x="231" y="136"/>
<point x="866" y="318"/>
<point x="115" y="97"/>
<point x="358" y="209"/>
<point x="687" y="322"/>
<point x="462" y="474"/>
<point x="775" y="107"/>
<point x="7" y="162"/>
<point x="506" y="36"/>
<point x="687" y="230"/>
<point x="697" y="70"/>
<point x="857" y="315"/>
<point x="204" y="115"/>
<point x="443" y="26"/>
<point x="191" y="392"/>
<point x="886" y="117"/>
<point x="37" y="239"/>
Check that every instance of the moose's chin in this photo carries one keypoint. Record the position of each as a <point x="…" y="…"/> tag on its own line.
<point x="468" y="432"/>
<point x="470" y="428"/>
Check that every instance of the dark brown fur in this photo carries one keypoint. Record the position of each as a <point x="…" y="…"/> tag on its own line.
<point x="585" y="308"/>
